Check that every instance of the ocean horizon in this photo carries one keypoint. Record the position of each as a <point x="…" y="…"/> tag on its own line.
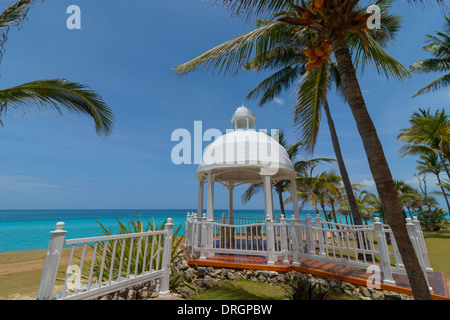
<point x="22" y="230"/>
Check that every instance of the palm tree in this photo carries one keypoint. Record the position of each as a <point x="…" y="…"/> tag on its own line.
<point x="279" y="186"/>
<point x="311" y="96"/>
<point x="428" y="134"/>
<point x="317" y="189"/>
<point x="439" y="47"/>
<point x="291" y="63"/>
<point x="407" y="195"/>
<point x="363" y="199"/>
<point x="336" y="23"/>
<point x="431" y="163"/>
<point x="335" y="196"/>
<point x="54" y="93"/>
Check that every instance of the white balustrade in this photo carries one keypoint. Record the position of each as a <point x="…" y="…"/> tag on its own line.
<point x="291" y="240"/>
<point x="117" y="262"/>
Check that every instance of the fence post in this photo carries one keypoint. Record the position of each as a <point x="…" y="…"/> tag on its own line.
<point x="283" y="238"/>
<point x="51" y="264"/>
<point x="203" y="235"/>
<point x="422" y="245"/>
<point x="320" y="235"/>
<point x="167" y="256"/>
<point x="296" y="244"/>
<point x="309" y="235"/>
<point x="188" y="229"/>
<point x="270" y="240"/>
<point x="411" y="228"/>
<point x="195" y="233"/>
<point x="384" y="253"/>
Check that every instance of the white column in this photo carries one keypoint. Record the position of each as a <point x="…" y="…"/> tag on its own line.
<point x="268" y="198"/>
<point x="200" y="197"/>
<point x="210" y="198"/>
<point x="268" y="205"/>
<point x="295" y="198"/>
<point x="209" y="215"/>
<point x="230" y="187"/>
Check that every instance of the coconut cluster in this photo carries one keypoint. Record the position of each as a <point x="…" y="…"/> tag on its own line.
<point x="317" y="55"/>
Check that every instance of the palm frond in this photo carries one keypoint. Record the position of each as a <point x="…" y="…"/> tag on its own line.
<point x="13" y="17"/>
<point x="307" y="110"/>
<point x="56" y="94"/>
<point x="251" y="191"/>
<point x="439" y="83"/>
<point x="231" y="57"/>
<point x="275" y="84"/>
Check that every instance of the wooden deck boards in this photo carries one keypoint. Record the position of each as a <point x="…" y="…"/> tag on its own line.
<point x="340" y="272"/>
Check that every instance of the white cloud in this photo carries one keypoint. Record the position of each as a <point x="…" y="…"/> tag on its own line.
<point x="279" y="101"/>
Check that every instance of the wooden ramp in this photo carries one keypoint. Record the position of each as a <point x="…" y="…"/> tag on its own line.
<point x="354" y="275"/>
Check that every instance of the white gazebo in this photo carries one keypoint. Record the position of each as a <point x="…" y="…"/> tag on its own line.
<point x="244" y="155"/>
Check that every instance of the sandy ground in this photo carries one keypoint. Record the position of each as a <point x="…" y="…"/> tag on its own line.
<point x="23" y="268"/>
<point x="9" y="264"/>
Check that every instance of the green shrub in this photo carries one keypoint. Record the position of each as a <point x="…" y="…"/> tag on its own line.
<point x="432" y="219"/>
<point x="302" y="289"/>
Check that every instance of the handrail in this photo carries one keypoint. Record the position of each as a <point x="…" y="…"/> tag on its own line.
<point x="357" y="245"/>
<point x="154" y="263"/>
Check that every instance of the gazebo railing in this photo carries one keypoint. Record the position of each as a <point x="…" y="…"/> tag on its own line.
<point x="291" y="239"/>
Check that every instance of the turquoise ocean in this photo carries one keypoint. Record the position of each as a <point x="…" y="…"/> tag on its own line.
<point x="22" y="230"/>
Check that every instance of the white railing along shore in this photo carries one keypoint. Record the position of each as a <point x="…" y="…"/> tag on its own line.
<point x="117" y="262"/>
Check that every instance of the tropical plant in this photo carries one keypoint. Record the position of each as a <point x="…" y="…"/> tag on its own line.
<point x="439" y="47"/>
<point x="317" y="189"/>
<point x="56" y="94"/>
<point x="432" y="219"/>
<point x="431" y="163"/>
<point x="365" y="205"/>
<point x="303" y="289"/>
<point x="409" y="197"/>
<point x="336" y="23"/>
<point x="428" y="134"/>
<point x="134" y="256"/>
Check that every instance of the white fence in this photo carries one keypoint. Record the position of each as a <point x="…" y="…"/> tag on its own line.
<point x="117" y="262"/>
<point x="360" y="246"/>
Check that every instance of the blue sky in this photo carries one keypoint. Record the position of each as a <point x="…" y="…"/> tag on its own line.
<point x="126" y="52"/>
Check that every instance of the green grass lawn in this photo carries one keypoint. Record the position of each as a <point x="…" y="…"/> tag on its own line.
<point x="438" y="246"/>
<point x="252" y="290"/>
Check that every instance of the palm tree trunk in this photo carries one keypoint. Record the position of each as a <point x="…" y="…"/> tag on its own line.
<point x="280" y="198"/>
<point x="444" y="165"/>
<point x="379" y="167"/>
<point x="342" y="169"/>
<point x="324" y="212"/>
<point x="443" y="192"/>
<point x="334" y="212"/>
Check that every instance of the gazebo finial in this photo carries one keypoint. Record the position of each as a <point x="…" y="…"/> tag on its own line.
<point x="243" y="118"/>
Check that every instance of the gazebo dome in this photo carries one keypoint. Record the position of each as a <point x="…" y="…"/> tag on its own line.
<point x="241" y="154"/>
